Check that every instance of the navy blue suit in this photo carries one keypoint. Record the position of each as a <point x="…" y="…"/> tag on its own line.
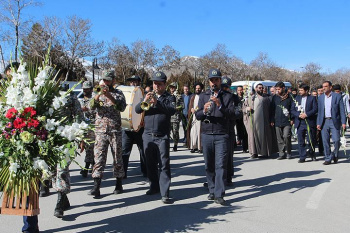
<point x="331" y="125"/>
<point x="311" y="112"/>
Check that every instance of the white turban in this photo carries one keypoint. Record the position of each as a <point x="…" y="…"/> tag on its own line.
<point x="256" y="84"/>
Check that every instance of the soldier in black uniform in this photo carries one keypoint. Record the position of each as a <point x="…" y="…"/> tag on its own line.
<point x="156" y="142"/>
<point x="225" y="85"/>
<point x="215" y="109"/>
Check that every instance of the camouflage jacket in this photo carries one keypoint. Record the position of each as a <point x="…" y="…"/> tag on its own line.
<point x="108" y="114"/>
<point x="72" y="109"/>
<point x="90" y="114"/>
<point x="179" y="107"/>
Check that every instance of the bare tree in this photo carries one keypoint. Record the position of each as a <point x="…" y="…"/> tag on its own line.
<point x="168" y="58"/>
<point x="121" y="56"/>
<point x="12" y="11"/>
<point x="77" y="41"/>
<point x="219" y="58"/>
<point x="311" y="74"/>
<point x="144" y="54"/>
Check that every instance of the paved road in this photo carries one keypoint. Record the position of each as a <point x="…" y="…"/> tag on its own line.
<point x="268" y="196"/>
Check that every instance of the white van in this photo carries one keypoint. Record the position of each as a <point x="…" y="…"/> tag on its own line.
<point x="250" y="84"/>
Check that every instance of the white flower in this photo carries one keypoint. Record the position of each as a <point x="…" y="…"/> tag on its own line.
<point x="285" y="111"/>
<point x="343" y="141"/>
<point x="83" y="125"/>
<point x="13" y="168"/>
<point x="29" y="98"/>
<point x="22" y="68"/>
<point x="50" y="111"/>
<point x="300" y="108"/>
<point x="50" y="124"/>
<point x="56" y="103"/>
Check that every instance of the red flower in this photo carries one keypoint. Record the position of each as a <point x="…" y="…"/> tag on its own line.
<point x="33" y="123"/>
<point x="19" y="123"/>
<point x="29" y="112"/>
<point x="11" y="113"/>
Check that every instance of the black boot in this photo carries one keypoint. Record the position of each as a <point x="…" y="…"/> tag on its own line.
<point x="175" y="147"/>
<point x="84" y="172"/>
<point x="44" y="189"/>
<point x="95" y="191"/>
<point x="118" y="186"/>
<point x="125" y="164"/>
<point x="59" y="206"/>
<point x="66" y="203"/>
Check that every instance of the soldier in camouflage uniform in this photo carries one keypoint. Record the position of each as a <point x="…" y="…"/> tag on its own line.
<point x="89" y="118"/>
<point x="108" y="104"/>
<point x="61" y="177"/>
<point x="176" y="118"/>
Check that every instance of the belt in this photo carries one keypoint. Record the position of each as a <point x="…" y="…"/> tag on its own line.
<point x="328" y="118"/>
<point x="157" y="135"/>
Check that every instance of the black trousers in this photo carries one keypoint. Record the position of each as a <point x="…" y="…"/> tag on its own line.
<point x="128" y="139"/>
<point x="215" y="152"/>
<point x="242" y="134"/>
<point x="158" y="161"/>
<point x="230" y="152"/>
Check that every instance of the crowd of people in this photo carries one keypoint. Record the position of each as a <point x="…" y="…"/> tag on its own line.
<point x="215" y="121"/>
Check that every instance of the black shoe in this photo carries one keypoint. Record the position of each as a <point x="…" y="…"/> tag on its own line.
<point x="59" y="206"/>
<point x="152" y="191"/>
<point x="44" y="189"/>
<point x="118" y="186"/>
<point x="211" y="197"/>
<point x="175" y="148"/>
<point x="200" y="152"/>
<point x="301" y="161"/>
<point x="84" y="173"/>
<point x="205" y="184"/>
<point x="95" y="191"/>
<point x="326" y="162"/>
<point x="281" y="157"/>
<point x="254" y="156"/>
<point x="289" y="156"/>
<point x="166" y="200"/>
<point x="229" y="182"/>
<point x="335" y="159"/>
<point x="219" y="200"/>
<point x="193" y="150"/>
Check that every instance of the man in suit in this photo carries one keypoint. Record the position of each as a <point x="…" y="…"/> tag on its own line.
<point x="186" y="97"/>
<point x="330" y="119"/>
<point x="304" y="110"/>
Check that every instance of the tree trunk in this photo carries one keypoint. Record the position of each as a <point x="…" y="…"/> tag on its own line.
<point x="2" y="57"/>
<point x="17" y="39"/>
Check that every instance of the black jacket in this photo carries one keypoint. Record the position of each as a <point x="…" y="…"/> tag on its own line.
<point x="219" y="118"/>
<point x="157" y="118"/>
<point x="277" y="116"/>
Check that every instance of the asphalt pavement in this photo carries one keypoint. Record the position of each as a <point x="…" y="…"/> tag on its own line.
<point x="268" y="195"/>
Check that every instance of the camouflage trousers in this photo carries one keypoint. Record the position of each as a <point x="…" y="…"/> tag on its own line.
<point x="102" y="141"/>
<point x="175" y="126"/>
<point x="89" y="148"/>
<point x="61" y="179"/>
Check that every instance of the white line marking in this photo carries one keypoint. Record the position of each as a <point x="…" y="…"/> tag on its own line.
<point x="316" y="196"/>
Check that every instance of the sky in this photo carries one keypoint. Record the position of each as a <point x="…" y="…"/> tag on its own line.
<point x="292" y="32"/>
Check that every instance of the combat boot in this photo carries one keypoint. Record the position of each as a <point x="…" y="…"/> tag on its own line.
<point x="95" y="191"/>
<point x="118" y="186"/>
<point x="44" y="189"/>
<point x="59" y="206"/>
<point x="66" y="203"/>
<point x="175" y="147"/>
